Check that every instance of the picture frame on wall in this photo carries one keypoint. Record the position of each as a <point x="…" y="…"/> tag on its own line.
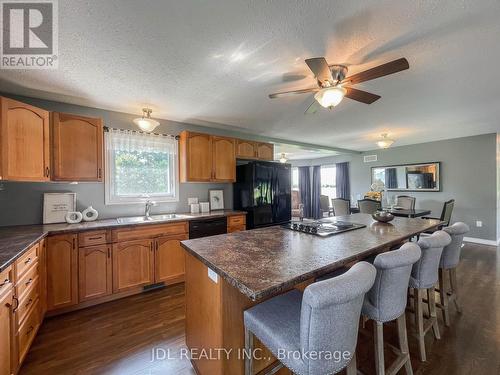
<point x="216" y="198"/>
<point x="56" y="206"/>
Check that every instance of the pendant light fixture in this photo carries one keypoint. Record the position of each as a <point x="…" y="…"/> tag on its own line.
<point x="385" y="141"/>
<point x="283" y="158"/>
<point x="330" y="97"/>
<point x="146" y="123"/>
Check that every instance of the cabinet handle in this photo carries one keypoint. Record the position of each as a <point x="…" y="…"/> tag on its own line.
<point x="109" y="252"/>
<point x="14" y="299"/>
<point x="30" y="329"/>
<point x="99" y="173"/>
<point x="29" y="302"/>
<point x="29" y="281"/>
<point x="74" y="243"/>
<point x="157" y="246"/>
<point x="151" y="246"/>
<point x="47" y="171"/>
<point x="27" y="261"/>
<point x="5" y="282"/>
<point x="95" y="238"/>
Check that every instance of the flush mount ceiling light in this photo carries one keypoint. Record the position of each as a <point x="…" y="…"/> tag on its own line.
<point x="283" y="158"/>
<point x="385" y="142"/>
<point x="330" y="97"/>
<point x="146" y="123"/>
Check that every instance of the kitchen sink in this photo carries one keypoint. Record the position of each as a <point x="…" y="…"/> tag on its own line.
<point x="152" y="218"/>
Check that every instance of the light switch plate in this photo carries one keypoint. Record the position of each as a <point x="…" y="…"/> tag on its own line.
<point x="213" y="276"/>
<point x="192" y="201"/>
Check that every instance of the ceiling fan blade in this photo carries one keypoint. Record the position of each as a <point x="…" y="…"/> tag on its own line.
<point x="313" y="108"/>
<point x="294" y="92"/>
<point x="379" y="71"/>
<point x="320" y="68"/>
<point x="361" y="96"/>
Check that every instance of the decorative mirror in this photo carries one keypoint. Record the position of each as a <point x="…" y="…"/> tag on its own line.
<point x="408" y="177"/>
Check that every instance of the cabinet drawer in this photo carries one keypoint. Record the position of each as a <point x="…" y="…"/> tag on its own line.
<point x="26" y="260"/>
<point x="148" y="231"/>
<point x="236" y="220"/>
<point x="5" y="280"/>
<point x="98" y="237"/>
<point x="28" y="330"/>
<point x="25" y="302"/>
<point x="25" y="282"/>
<point x="236" y="228"/>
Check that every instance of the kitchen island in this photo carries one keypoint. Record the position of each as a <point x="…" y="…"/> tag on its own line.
<point x="227" y="274"/>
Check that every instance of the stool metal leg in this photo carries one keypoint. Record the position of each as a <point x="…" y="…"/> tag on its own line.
<point x="378" y="329"/>
<point x="419" y="320"/>
<point x="432" y="312"/>
<point x="443" y="296"/>
<point x="454" y="288"/>
<point x="248" y="352"/>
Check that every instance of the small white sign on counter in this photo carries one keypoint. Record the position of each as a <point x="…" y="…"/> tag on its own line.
<point x="213" y="276"/>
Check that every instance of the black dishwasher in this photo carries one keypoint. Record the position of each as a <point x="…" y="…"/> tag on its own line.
<point x="208" y="227"/>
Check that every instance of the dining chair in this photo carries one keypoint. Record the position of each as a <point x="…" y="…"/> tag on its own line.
<point x="406" y="202"/>
<point x="386" y="301"/>
<point x="341" y="206"/>
<point x="369" y="206"/>
<point x="424" y="277"/>
<point x="445" y="215"/>
<point x="450" y="258"/>
<point x="324" y="205"/>
<point x="323" y="319"/>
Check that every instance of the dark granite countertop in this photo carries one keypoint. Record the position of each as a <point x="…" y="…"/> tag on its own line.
<point x="15" y="240"/>
<point x="263" y="262"/>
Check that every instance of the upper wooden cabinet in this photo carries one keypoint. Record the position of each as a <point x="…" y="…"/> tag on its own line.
<point x="206" y="158"/>
<point x="25" y="154"/>
<point x="76" y="148"/>
<point x="254" y="150"/>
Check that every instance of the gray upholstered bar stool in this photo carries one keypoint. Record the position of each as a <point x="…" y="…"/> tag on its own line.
<point x="386" y="301"/>
<point x="424" y="277"/>
<point x="448" y="265"/>
<point x="323" y="319"/>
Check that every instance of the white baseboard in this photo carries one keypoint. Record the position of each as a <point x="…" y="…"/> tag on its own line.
<point x="481" y="241"/>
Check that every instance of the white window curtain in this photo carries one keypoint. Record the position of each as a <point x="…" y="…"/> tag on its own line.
<point x="140" y="166"/>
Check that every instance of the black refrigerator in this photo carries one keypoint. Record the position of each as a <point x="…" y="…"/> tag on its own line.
<point x="263" y="189"/>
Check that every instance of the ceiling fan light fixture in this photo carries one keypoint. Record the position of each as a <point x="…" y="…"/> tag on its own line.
<point x="283" y="158"/>
<point x="146" y="123"/>
<point x="330" y="97"/>
<point x="385" y="141"/>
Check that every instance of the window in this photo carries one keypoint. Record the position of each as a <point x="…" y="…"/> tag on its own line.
<point x="328" y="181"/>
<point x="139" y="167"/>
<point x="295" y="178"/>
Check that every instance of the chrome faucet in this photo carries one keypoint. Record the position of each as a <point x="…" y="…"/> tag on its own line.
<point x="147" y="211"/>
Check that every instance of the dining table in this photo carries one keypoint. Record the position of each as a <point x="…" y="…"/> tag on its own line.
<point x="400" y="212"/>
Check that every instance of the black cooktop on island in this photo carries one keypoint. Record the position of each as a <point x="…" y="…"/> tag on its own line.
<point x="322" y="228"/>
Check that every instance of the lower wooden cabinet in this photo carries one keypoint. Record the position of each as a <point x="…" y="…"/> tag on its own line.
<point x="236" y="223"/>
<point x="169" y="259"/>
<point x="62" y="271"/>
<point x="132" y="264"/>
<point x="6" y="323"/>
<point x="94" y="272"/>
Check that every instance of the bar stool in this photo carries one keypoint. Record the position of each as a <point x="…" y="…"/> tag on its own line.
<point x="386" y="301"/>
<point x="323" y="319"/>
<point x="448" y="265"/>
<point x="424" y="277"/>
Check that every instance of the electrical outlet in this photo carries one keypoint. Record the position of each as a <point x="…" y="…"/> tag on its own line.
<point x="479" y="223"/>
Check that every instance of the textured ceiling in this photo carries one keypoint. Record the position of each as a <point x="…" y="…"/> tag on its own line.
<point x="214" y="62"/>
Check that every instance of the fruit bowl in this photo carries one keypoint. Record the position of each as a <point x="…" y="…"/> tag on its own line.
<point x="383" y="216"/>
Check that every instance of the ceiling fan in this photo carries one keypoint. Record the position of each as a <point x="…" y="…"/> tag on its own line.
<point x="333" y="85"/>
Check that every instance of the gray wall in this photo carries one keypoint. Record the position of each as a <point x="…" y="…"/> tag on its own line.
<point x="468" y="175"/>
<point x="21" y="202"/>
<point x="498" y="188"/>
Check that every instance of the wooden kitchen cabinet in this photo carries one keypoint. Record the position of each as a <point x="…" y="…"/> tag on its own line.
<point x="169" y="259"/>
<point x="94" y="272"/>
<point x="133" y="263"/>
<point x="62" y="271"/>
<point x="25" y="154"/>
<point x="246" y="149"/>
<point x="43" y="276"/>
<point x="224" y="159"/>
<point x="6" y="322"/>
<point x="195" y="151"/>
<point x="76" y="148"/>
<point x="236" y="223"/>
<point x="265" y="151"/>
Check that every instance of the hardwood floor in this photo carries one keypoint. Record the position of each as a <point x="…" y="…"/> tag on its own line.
<point x="118" y="337"/>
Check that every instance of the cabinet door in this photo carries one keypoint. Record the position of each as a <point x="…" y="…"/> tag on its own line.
<point x="224" y="159"/>
<point x="246" y="149"/>
<point x="5" y="332"/>
<point x="24" y="142"/>
<point x="76" y="148"/>
<point x="265" y="151"/>
<point x="62" y="271"/>
<point x="195" y="157"/>
<point x="169" y="259"/>
<point x="132" y="264"/>
<point x="94" y="272"/>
